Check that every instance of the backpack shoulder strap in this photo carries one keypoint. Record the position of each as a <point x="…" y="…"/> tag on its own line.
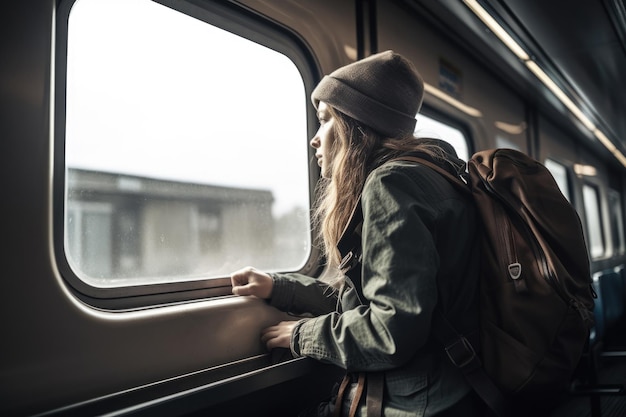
<point x="456" y="181"/>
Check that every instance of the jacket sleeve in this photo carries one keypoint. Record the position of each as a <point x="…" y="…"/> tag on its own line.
<point x="300" y="294"/>
<point x="399" y="269"/>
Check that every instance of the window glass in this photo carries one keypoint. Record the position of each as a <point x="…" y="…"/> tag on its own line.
<point x="559" y="172"/>
<point x="186" y="149"/>
<point x="503" y="142"/>
<point x="617" y="221"/>
<point x="594" y="222"/>
<point x="427" y="127"/>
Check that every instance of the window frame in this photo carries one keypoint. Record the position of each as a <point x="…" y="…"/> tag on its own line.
<point x="616" y="222"/>
<point x="227" y="16"/>
<point x="601" y="219"/>
<point x="569" y="177"/>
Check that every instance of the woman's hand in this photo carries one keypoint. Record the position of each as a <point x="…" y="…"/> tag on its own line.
<point x="249" y="281"/>
<point x="278" y="336"/>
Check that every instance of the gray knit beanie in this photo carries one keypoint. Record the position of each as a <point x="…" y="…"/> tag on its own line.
<point x="382" y="91"/>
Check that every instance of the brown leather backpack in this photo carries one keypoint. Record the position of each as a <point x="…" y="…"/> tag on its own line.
<point x="536" y="299"/>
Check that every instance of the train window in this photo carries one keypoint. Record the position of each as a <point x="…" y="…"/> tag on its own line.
<point x="559" y="172"/>
<point x="429" y="127"/>
<point x="617" y="221"/>
<point x="503" y="142"/>
<point x="186" y="149"/>
<point x="591" y="201"/>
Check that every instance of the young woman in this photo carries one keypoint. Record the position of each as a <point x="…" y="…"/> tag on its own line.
<point x="401" y="242"/>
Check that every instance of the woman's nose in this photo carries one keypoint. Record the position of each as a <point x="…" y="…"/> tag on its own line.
<point x="315" y="142"/>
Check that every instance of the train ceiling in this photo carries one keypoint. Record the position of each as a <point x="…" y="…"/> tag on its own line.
<point x="580" y="44"/>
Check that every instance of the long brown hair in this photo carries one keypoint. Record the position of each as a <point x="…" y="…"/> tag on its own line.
<point x="356" y="151"/>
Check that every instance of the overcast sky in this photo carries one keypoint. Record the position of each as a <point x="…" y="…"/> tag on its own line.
<point x="156" y="93"/>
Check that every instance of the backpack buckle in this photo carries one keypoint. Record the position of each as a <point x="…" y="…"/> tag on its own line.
<point x="461" y="352"/>
<point x="349" y="261"/>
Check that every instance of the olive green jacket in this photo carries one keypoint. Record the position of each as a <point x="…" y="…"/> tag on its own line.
<point x="415" y="250"/>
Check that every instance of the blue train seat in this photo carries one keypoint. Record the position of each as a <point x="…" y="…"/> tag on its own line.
<point x="609" y="314"/>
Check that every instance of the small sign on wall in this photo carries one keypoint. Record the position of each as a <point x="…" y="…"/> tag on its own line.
<point x="450" y="79"/>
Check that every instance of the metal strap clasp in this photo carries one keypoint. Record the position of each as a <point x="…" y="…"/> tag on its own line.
<point x="461" y="352"/>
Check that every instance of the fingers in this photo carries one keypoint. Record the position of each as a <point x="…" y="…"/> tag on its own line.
<point x="249" y="281"/>
<point x="241" y="281"/>
<point x="278" y="336"/>
<point x="244" y="289"/>
<point x="275" y="339"/>
<point x="241" y="277"/>
<point x="269" y="335"/>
